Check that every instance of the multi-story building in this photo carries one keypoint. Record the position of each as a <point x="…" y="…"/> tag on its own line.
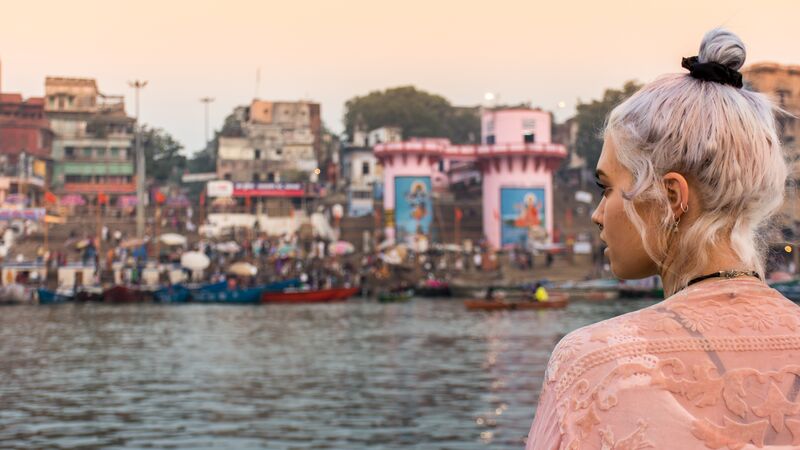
<point x="92" y="149"/>
<point x="361" y="170"/>
<point x="281" y="141"/>
<point x="782" y="83"/>
<point x="25" y="146"/>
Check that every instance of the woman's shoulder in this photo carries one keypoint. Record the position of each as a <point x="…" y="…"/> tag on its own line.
<point x="595" y="342"/>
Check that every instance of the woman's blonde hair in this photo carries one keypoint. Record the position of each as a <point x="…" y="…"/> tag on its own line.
<point x="724" y="141"/>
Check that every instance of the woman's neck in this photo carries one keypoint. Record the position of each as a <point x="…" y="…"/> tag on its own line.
<point x="721" y="259"/>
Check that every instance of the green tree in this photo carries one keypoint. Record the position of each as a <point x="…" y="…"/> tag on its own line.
<point x="591" y="118"/>
<point x="417" y="113"/>
<point x="163" y="159"/>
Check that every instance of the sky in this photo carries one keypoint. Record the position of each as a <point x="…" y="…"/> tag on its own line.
<point x="547" y="53"/>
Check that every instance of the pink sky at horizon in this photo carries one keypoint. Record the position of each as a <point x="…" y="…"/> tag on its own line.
<point x="328" y="52"/>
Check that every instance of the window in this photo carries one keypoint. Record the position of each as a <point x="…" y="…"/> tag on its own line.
<point x="783" y="96"/>
<point x="529" y="138"/>
<point x="101" y="153"/>
<point x="114" y="152"/>
<point x="256" y="177"/>
<point x="69" y="152"/>
<point x="490" y="139"/>
<point x="228" y="176"/>
<point x="279" y="151"/>
<point x="87" y="152"/>
<point x="441" y="165"/>
<point x="271" y="177"/>
<point x="365" y="168"/>
<point x="257" y="154"/>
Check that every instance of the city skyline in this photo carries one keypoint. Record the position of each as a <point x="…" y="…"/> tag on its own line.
<point x="328" y="53"/>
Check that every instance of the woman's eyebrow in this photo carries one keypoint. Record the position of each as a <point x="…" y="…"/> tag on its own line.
<point x="599" y="173"/>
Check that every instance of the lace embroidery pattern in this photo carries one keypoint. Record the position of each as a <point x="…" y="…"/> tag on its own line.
<point x="688" y="344"/>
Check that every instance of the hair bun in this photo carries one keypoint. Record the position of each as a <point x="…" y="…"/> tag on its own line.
<point x="723" y="47"/>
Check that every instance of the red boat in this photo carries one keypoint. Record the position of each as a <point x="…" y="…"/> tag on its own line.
<point x="124" y="294"/>
<point x="321" y="296"/>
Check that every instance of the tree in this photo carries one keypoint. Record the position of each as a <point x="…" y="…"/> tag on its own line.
<point x="163" y="159"/>
<point x="591" y="118"/>
<point x="417" y="113"/>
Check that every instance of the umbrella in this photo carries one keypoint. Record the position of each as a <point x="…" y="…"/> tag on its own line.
<point x="228" y="247"/>
<point x="133" y="242"/>
<point x="243" y="269"/>
<point x="72" y="200"/>
<point x="173" y="239"/>
<point x="341" y="248"/>
<point x="195" y="260"/>
<point x="83" y="243"/>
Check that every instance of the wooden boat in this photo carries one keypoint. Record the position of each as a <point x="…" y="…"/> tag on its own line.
<point x="124" y="294"/>
<point x="89" y="294"/>
<point x="433" y="288"/>
<point x="241" y="295"/>
<point x="15" y="293"/>
<point x="345" y="293"/>
<point x="397" y="296"/>
<point x="555" y="302"/>
<point x="319" y="296"/>
<point x="48" y="297"/>
<point x="176" y="293"/>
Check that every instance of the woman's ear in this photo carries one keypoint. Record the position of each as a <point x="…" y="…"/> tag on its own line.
<point x="677" y="193"/>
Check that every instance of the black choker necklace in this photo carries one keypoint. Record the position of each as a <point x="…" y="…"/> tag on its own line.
<point x="725" y="274"/>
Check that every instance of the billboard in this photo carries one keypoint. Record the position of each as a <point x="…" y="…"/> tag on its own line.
<point x="221" y="188"/>
<point x="413" y="207"/>
<point x="522" y="216"/>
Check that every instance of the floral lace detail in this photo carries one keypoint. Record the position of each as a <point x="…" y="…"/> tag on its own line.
<point x="687" y="346"/>
<point x="601" y="356"/>
<point x="636" y="441"/>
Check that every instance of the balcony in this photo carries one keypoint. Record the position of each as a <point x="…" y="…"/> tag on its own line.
<point x="94" y="188"/>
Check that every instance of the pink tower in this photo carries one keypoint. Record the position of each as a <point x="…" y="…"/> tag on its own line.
<point x="517" y="161"/>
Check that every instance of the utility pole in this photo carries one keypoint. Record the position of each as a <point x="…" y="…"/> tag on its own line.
<point x="206" y="101"/>
<point x="140" y="164"/>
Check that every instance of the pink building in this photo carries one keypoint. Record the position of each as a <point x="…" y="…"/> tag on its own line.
<point x="516" y="161"/>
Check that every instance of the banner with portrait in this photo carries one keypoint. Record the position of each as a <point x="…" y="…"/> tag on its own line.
<point x="413" y="207"/>
<point x="522" y="216"/>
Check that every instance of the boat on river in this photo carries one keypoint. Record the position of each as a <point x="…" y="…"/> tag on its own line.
<point x="307" y="296"/>
<point x="121" y="293"/>
<point x="241" y="295"/>
<point x="555" y="302"/>
<point x="396" y="296"/>
<point x="48" y="297"/>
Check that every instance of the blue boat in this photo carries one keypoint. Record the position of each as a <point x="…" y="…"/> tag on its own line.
<point x="48" y="297"/>
<point x="241" y="295"/>
<point x="176" y="293"/>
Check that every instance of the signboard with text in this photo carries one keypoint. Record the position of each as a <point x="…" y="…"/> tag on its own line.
<point x="219" y="189"/>
<point x="268" y="190"/>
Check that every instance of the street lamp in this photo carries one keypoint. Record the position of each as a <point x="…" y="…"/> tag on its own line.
<point x="206" y="101"/>
<point x="140" y="163"/>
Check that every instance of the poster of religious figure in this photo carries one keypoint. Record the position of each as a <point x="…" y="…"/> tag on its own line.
<point x="522" y="216"/>
<point x="413" y="207"/>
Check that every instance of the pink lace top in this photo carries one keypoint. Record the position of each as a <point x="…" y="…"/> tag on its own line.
<point x="716" y="365"/>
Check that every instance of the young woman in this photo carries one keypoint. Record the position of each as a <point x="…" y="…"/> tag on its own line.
<point x="691" y="170"/>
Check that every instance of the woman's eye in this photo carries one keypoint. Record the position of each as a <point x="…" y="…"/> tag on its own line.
<point x="604" y="190"/>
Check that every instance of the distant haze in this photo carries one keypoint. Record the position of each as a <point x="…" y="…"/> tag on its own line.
<point x="329" y="51"/>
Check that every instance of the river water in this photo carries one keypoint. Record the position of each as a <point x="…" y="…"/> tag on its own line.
<point x="426" y="374"/>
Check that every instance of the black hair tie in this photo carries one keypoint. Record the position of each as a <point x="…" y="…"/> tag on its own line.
<point x="712" y="71"/>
